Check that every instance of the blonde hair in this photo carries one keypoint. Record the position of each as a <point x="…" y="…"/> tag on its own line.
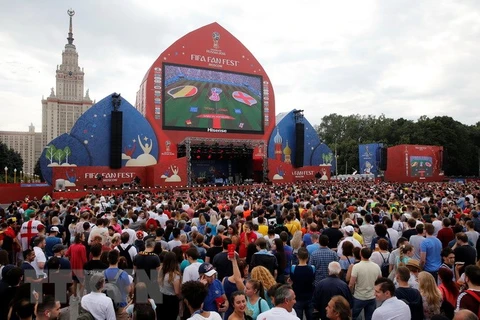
<point x="296" y="241"/>
<point x="264" y="276"/>
<point x="428" y="288"/>
<point x="213" y="218"/>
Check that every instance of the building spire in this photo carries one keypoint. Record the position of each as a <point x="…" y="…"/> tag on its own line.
<point x="71" y="13"/>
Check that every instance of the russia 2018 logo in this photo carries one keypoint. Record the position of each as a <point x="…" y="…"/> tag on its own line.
<point x="216" y="39"/>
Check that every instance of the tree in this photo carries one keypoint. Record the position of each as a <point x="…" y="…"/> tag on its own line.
<point x="67" y="153"/>
<point x="11" y="159"/>
<point x="50" y="153"/>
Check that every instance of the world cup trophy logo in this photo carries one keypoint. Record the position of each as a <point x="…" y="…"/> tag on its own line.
<point x="216" y="38"/>
<point x="167" y="146"/>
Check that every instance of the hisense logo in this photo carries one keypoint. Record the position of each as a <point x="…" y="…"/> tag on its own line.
<point x="216" y="130"/>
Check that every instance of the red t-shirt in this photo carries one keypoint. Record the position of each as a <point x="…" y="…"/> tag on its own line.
<point x="445" y="235"/>
<point x="470" y="300"/>
<point x="252" y="237"/>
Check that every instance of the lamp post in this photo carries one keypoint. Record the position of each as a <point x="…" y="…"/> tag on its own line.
<point x="21" y="176"/>
<point x="6" y="171"/>
<point x="15" y="175"/>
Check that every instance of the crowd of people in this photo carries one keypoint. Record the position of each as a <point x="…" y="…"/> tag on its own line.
<point x="329" y="250"/>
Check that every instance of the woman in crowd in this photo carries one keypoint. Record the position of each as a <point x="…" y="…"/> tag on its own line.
<point x="170" y="286"/>
<point x="338" y="308"/>
<point x="279" y="252"/>
<point x="262" y="274"/>
<point x="256" y="302"/>
<point x="356" y="254"/>
<point x="213" y="223"/>
<point x="347" y="259"/>
<point x="406" y="253"/>
<point x="235" y="282"/>
<point x="449" y="291"/>
<point x="239" y="307"/>
<point x="431" y="295"/>
<point x="232" y="233"/>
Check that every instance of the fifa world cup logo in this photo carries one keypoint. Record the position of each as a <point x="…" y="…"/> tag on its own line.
<point x="167" y="146"/>
<point x="216" y="38"/>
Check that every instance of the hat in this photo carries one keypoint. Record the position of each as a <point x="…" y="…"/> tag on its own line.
<point x="140" y="235"/>
<point x="95" y="279"/>
<point x="349" y="229"/>
<point x="58" y="247"/>
<point x="40" y="227"/>
<point x="11" y="220"/>
<point x="414" y="264"/>
<point x="206" y="269"/>
<point x="54" y="229"/>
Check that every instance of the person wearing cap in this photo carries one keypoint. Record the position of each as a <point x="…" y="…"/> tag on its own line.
<point x="59" y="252"/>
<point x="349" y="231"/>
<point x="415" y="268"/>
<point x="216" y="300"/>
<point x="51" y="241"/>
<point x="96" y="302"/>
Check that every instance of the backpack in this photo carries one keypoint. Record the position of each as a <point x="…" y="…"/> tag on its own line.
<point x="112" y="290"/>
<point x="385" y="266"/>
<point x="84" y="314"/>
<point x="124" y="253"/>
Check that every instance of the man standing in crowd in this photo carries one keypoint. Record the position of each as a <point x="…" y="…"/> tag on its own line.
<point x="470" y="298"/>
<point x="284" y="301"/>
<point x="215" y="289"/>
<point x="221" y="263"/>
<point x="430" y="252"/>
<point x="96" y="302"/>
<point x="51" y="241"/>
<point x="264" y="258"/>
<point x="391" y="307"/>
<point x="329" y="287"/>
<point x="464" y="252"/>
<point x="362" y="283"/>
<point x="94" y="266"/>
<point x="408" y="294"/>
<point x="120" y="278"/>
<point x="334" y="234"/>
<point x="321" y="258"/>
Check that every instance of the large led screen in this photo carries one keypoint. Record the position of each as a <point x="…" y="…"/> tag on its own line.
<point x="211" y="100"/>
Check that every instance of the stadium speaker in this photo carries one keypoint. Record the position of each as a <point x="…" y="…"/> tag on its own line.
<point x="383" y="159"/>
<point x="300" y="144"/>
<point x="116" y="140"/>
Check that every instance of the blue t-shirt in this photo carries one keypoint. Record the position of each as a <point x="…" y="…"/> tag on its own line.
<point x="215" y="290"/>
<point x="433" y="247"/>
<point x="258" y="307"/>
<point x="123" y="282"/>
<point x="49" y="243"/>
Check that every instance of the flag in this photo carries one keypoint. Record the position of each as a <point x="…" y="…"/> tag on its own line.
<point x="244" y="98"/>
<point x="183" y="92"/>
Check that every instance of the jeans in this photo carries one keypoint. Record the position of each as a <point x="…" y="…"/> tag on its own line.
<point x="359" y="305"/>
<point x="301" y="306"/>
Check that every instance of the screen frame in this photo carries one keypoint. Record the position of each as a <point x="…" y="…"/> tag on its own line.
<point x="199" y="129"/>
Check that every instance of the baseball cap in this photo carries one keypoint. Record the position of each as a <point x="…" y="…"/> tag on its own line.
<point x="140" y="235"/>
<point x="58" y="247"/>
<point x="54" y="229"/>
<point x="349" y="229"/>
<point x="206" y="269"/>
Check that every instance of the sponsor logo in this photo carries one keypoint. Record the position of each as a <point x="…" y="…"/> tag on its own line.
<point x="216" y="130"/>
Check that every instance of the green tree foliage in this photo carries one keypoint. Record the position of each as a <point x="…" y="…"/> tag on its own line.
<point x="38" y="171"/>
<point x="12" y="160"/>
<point x="345" y="133"/>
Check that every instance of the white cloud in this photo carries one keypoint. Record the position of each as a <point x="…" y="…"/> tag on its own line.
<point x="403" y="59"/>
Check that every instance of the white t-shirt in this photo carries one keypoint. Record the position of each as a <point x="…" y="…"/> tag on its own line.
<point x="277" y="313"/>
<point x="191" y="272"/>
<point x="39" y="257"/>
<point x="213" y="316"/>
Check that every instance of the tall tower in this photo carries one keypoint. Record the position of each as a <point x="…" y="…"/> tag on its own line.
<point x="67" y="102"/>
